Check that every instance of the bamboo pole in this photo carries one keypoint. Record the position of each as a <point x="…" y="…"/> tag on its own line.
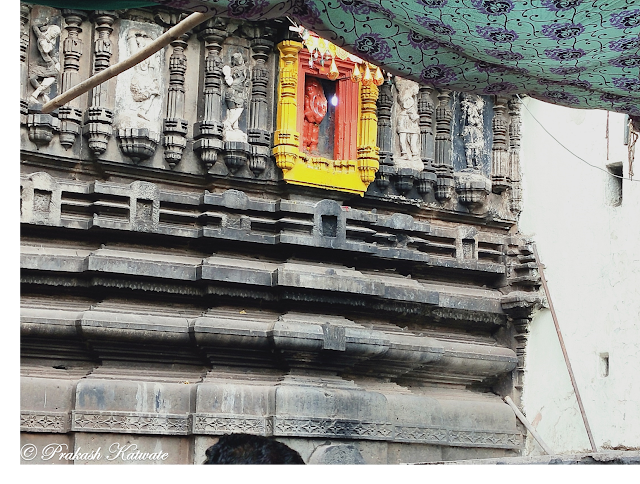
<point x="165" y="39"/>
<point x="564" y="351"/>
<point x="526" y="423"/>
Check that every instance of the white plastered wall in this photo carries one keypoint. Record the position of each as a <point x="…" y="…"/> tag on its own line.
<point x="591" y="254"/>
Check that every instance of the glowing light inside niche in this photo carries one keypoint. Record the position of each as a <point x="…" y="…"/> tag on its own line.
<point x="334" y="100"/>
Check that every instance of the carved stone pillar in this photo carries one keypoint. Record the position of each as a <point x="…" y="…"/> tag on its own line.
<point x="367" y="133"/>
<point x="427" y="179"/>
<point x="514" y="155"/>
<point x="174" y="127"/>
<point x="443" y="161"/>
<point x="98" y="126"/>
<point x="499" y="154"/>
<point x="287" y="136"/>
<point x="70" y="114"/>
<point x="385" y="136"/>
<point x="24" y="66"/>
<point x="258" y="132"/>
<point x="208" y="132"/>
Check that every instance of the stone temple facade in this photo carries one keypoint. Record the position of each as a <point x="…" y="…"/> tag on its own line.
<point x="188" y="271"/>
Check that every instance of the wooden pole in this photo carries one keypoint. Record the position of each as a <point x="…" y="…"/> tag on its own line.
<point x="526" y="423"/>
<point x="564" y="350"/>
<point x="165" y="39"/>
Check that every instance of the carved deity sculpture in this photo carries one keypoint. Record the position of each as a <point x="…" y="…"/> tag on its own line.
<point x="42" y="77"/>
<point x="315" y="109"/>
<point x="408" y="120"/>
<point x="472" y="130"/>
<point x="145" y="87"/>
<point x="236" y="77"/>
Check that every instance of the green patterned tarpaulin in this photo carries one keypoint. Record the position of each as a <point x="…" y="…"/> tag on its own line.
<point x="578" y="53"/>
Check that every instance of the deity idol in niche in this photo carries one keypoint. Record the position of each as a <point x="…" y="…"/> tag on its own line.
<point x="472" y="132"/>
<point x="315" y="109"/>
<point x="42" y="77"/>
<point x="408" y="126"/>
<point x="236" y="77"/>
<point x="145" y="87"/>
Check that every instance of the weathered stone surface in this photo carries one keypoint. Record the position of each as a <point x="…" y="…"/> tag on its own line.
<point x="177" y="289"/>
<point x="599" y="458"/>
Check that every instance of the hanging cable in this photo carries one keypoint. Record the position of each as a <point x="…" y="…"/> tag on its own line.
<point x="580" y="158"/>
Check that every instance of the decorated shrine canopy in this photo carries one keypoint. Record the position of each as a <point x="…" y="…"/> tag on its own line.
<point x="578" y="53"/>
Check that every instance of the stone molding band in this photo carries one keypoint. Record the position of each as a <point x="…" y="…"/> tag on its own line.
<point x="218" y="424"/>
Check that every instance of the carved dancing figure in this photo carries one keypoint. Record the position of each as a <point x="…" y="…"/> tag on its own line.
<point x="236" y="77"/>
<point x="472" y="131"/>
<point x="145" y="87"/>
<point x="408" y="126"/>
<point x="315" y="109"/>
<point x="42" y="77"/>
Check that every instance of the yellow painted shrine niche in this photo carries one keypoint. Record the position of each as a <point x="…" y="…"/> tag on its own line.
<point x="326" y="125"/>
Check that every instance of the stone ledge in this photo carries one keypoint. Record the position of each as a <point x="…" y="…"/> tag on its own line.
<point x="608" y="457"/>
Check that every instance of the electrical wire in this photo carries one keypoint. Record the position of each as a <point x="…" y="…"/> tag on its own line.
<point x="580" y="158"/>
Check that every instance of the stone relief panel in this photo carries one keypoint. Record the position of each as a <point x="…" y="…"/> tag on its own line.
<point x="138" y="106"/>
<point x="407" y="122"/>
<point x="44" y="74"/>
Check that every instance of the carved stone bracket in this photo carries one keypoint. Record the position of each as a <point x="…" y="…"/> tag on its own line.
<point x="404" y="179"/>
<point x="236" y="154"/>
<point x="137" y="143"/>
<point x="41" y="127"/>
<point x="472" y="188"/>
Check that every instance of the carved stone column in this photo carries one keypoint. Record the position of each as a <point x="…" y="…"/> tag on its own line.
<point x="514" y="155"/>
<point x="443" y="161"/>
<point x="499" y="154"/>
<point x="70" y="114"/>
<point x="98" y="127"/>
<point x="174" y="126"/>
<point x="385" y="136"/>
<point x="287" y="136"/>
<point x="208" y="132"/>
<point x="258" y="132"/>
<point x="367" y="133"/>
<point x="25" y="10"/>
<point x="427" y="179"/>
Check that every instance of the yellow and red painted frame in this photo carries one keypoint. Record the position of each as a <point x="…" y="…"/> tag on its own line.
<point x="355" y="147"/>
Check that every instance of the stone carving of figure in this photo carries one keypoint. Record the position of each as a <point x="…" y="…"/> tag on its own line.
<point x="472" y="130"/>
<point x="42" y="77"/>
<point x="145" y="87"/>
<point x="315" y="109"/>
<point x="236" y="77"/>
<point x="407" y="122"/>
